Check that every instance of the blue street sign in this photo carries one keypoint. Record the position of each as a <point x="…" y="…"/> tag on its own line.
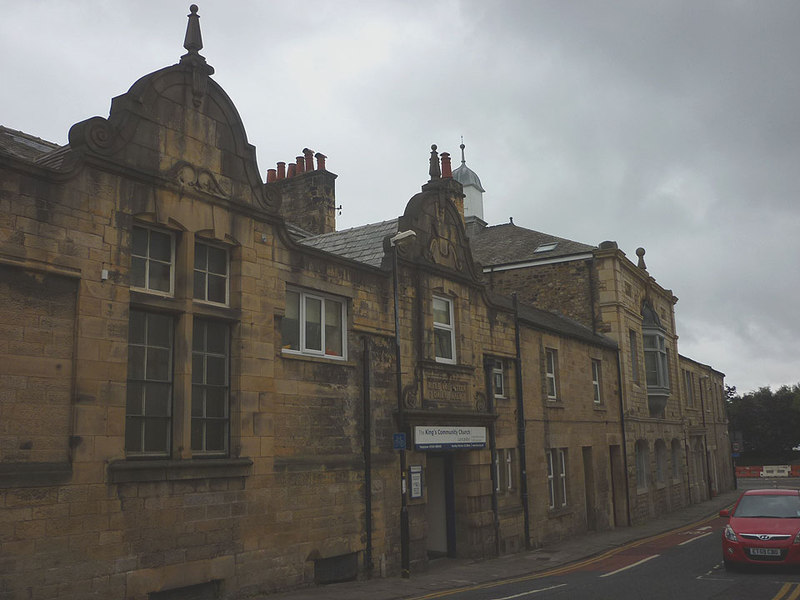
<point x="399" y="441"/>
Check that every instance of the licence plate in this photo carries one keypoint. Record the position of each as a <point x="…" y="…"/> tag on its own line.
<point x="765" y="551"/>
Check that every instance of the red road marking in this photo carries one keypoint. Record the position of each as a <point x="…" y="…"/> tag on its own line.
<point x="629" y="555"/>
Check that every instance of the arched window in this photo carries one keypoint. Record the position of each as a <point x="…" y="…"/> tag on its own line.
<point x="676" y="459"/>
<point x="661" y="461"/>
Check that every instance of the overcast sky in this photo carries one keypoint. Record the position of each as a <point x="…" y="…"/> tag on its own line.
<point x="671" y="125"/>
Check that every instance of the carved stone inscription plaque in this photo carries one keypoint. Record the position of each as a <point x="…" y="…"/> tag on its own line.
<point x="443" y="390"/>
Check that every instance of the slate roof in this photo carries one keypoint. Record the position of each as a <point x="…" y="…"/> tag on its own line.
<point x="363" y="244"/>
<point x="508" y="244"/>
<point x="23" y="145"/>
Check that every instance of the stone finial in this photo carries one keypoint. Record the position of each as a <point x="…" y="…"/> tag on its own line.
<point x="640" y="254"/>
<point x="434" y="170"/>
<point x="193" y="42"/>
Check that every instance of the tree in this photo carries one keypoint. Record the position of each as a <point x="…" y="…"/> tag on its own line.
<point x="769" y="422"/>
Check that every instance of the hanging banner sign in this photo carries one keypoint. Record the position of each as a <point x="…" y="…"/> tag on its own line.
<point x="444" y="437"/>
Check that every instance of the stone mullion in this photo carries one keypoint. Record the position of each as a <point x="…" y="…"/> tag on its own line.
<point x="182" y="367"/>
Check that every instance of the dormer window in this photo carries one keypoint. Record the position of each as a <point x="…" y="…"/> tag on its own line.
<point x="546" y="247"/>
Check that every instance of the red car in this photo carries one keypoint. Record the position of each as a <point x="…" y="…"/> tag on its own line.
<point x="763" y="529"/>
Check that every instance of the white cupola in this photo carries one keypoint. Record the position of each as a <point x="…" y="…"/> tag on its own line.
<point x="473" y="190"/>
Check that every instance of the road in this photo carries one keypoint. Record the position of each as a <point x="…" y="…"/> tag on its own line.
<point x="684" y="563"/>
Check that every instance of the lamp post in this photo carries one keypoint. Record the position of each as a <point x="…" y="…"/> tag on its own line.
<point x="405" y="567"/>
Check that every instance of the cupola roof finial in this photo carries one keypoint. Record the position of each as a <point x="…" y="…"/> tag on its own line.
<point x="463" y="160"/>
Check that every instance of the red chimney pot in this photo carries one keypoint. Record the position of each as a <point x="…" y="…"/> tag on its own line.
<point x="447" y="171"/>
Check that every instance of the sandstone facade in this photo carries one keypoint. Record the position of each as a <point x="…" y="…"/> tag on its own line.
<point x="199" y="388"/>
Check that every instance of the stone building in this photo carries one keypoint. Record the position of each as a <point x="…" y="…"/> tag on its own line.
<point x="207" y="391"/>
<point x="667" y="437"/>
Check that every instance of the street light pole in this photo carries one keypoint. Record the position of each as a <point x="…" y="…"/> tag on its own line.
<point x="405" y="565"/>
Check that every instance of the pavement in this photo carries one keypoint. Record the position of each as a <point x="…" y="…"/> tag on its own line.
<point x="447" y="573"/>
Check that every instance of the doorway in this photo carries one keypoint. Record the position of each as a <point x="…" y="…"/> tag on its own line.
<point x="619" y="496"/>
<point x="439" y="508"/>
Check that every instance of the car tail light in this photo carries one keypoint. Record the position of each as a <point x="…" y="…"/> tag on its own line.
<point x="797" y="538"/>
<point x="730" y="535"/>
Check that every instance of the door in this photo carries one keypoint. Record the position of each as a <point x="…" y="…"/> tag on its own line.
<point x="439" y="506"/>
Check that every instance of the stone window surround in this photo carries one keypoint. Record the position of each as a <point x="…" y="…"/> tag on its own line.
<point x="597" y="378"/>
<point x="499" y="378"/>
<point x="556" y="463"/>
<point x="449" y="328"/>
<point x="551" y="374"/>
<point x="324" y="296"/>
<point x="183" y="307"/>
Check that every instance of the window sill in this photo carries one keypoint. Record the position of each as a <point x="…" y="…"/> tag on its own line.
<point x="561" y="511"/>
<point x="320" y="358"/>
<point x="555" y="403"/>
<point x="600" y="407"/>
<point x="131" y="471"/>
<point x="443" y="366"/>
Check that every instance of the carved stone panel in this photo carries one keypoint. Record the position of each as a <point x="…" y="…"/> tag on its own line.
<point x="444" y="390"/>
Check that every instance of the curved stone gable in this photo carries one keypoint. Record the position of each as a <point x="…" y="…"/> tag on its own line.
<point x="441" y="238"/>
<point x="179" y="125"/>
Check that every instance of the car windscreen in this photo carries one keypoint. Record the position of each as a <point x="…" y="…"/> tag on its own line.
<point x="775" y="506"/>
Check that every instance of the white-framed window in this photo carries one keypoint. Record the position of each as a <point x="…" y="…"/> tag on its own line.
<point x="210" y="387"/>
<point x="152" y="260"/>
<point x="499" y="378"/>
<point x="676" y="459"/>
<point x="551" y="373"/>
<point x="661" y="461"/>
<point x="596" y="370"/>
<point x="444" y="332"/>
<point x="503" y="464"/>
<point x="634" y="343"/>
<point x="642" y="464"/>
<point x="688" y="385"/>
<point x="313" y="324"/>
<point x="556" y="460"/>
<point x="148" y="405"/>
<point x="655" y="360"/>
<point x="211" y="273"/>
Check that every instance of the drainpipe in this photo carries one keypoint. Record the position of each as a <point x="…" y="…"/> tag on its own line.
<point x="521" y="427"/>
<point x="624" y="440"/>
<point x="368" y="564"/>
<point x="487" y="380"/>
<point x="405" y="537"/>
